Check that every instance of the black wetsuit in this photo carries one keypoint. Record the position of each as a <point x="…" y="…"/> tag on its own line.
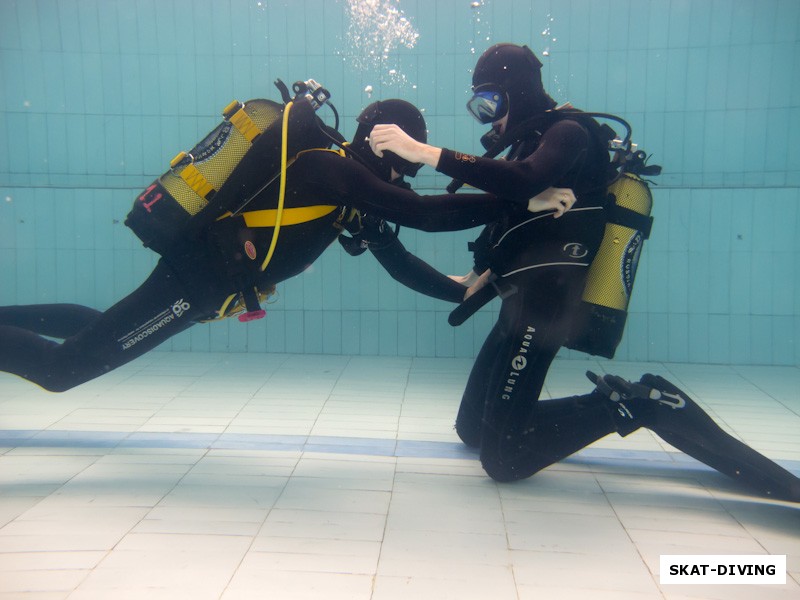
<point x="543" y="262"/>
<point x="543" y="277"/>
<point x="199" y="275"/>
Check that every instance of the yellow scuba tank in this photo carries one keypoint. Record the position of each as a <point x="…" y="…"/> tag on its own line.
<point x="194" y="177"/>
<point x="603" y="310"/>
<point x="611" y="274"/>
<point x="161" y="212"/>
<point x="224" y="172"/>
<point x="246" y="144"/>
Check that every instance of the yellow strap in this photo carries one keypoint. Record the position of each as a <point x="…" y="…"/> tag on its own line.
<point x="224" y="308"/>
<point x="242" y="121"/>
<point x="282" y="192"/>
<point x="340" y="152"/>
<point x="291" y="216"/>
<point x="195" y="180"/>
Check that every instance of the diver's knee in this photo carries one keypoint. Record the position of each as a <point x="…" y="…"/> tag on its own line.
<point x="57" y="387"/>
<point x="471" y="436"/>
<point x="506" y="465"/>
<point x="504" y="472"/>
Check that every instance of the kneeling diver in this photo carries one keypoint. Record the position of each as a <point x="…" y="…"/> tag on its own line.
<point x="542" y="278"/>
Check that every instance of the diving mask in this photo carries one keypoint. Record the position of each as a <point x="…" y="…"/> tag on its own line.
<point x="489" y="103"/>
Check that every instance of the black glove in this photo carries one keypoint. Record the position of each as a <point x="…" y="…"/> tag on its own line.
<point x="368" y="232"/>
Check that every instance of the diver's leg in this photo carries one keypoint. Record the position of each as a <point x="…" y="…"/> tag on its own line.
<point x="521" y="436"/>
<point x="153" y="313"/>
<point x="469" y="420"/>
<point x="660" y="406"/>
<point x="53" y="320"/>
<point x="559" y="429"/>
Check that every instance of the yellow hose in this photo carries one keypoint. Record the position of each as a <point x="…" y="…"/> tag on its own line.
<point x="282" y="192"/>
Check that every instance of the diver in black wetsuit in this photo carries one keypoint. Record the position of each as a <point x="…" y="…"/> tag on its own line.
<point x="541" y="281"/>
<point x="370" y="232"/>
<point x="194" y="279"/>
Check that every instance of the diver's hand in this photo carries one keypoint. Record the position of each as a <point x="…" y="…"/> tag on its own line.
<point x="465" y="280"/>
<point x="479" y="283"/>
<point x="394" y="139"/>
<point x="558" y="199"/>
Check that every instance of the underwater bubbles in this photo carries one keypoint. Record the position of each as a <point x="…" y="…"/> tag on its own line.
<point x="376" y="29"/>
<point x="546" y="32"/>
<point x="549" y="41"/>
<point x="481" y="30"/>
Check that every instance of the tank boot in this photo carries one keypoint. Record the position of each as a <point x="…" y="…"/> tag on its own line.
<point x="662" y="407"/>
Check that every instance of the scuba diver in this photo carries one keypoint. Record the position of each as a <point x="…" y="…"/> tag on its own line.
<point x="223" y="266"/>
<point x="538" y="265"/>
<point x="374" y="233"/>
<point x="366" y="231"/>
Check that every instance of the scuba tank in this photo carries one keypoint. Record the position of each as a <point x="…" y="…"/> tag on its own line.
<point x="601" y="315"/>
<point x="160" y="215"/>
<point x="244" y="151"/>
<point x="241" y="157"/>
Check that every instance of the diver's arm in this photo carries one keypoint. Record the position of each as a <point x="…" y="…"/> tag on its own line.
<point x="344" y="181"/>
<point x="416" y="274"/>
<point x="559" y="149"/>
<point x="413" y="272"/>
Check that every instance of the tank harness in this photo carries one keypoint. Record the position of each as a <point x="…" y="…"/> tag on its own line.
<point x="600" y="317"/>
<point x="259" y="136"/>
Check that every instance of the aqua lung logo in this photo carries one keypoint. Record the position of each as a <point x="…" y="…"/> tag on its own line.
<point x="161" y="320"/>
<point x="630" y="262"/>
<point x="575" y="250"/>
<point x="518" y="363"/>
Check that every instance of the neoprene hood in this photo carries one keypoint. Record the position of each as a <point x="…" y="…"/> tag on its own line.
<point x="516" y="70"/>
<point x="392" y="111"/>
